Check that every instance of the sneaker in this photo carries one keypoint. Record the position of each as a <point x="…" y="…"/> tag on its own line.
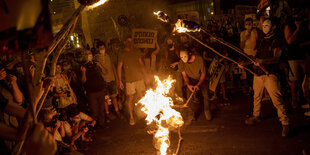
<point x="305" y="106"/>
<point x="132" y="122"/>
<point x="213" y="98"/>
<point x="252" y="120"/>
<point x="307" y="113"/>
<point x="208" y="115"/>
<point x="294" y="105"/>
<point x="110" y="116"/>
<point x="119" y="115"/>
<point x="285" y="130"/>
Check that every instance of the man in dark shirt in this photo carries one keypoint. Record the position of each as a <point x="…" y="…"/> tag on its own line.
<point x="92" y="77"/>
<point x="194" y="72"/>
<point x="269" y="56"/>
<point x="172" y="58"/>
<point x="295" y="30"/>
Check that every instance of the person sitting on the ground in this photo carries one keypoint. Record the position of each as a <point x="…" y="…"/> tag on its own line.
<point x="78" y="124"/>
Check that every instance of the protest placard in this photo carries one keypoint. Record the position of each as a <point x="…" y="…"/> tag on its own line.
<point x="216" y="71"/>
<point x="144" y="38"/>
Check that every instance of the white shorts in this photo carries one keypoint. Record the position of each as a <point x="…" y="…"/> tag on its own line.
<point x="133" y="87"/>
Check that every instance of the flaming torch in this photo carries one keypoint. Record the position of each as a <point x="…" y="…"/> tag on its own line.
<point x="162" y="16"/>
<point x="185" y="26"/>
<point x="158" y="107"/>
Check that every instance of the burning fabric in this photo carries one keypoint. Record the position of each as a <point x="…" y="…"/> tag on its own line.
<point x="157" y="106"/>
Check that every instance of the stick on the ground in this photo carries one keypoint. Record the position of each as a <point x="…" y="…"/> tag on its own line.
<point x="187" y="101"/>
<point x="190" y="97"/>
<point x="180" y="140"/>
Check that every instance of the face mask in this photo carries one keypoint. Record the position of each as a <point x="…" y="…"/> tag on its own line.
<point x="230" y="31"/>
<point x="102" y="51"/>
<point x="89" y="58"/>
<point x="267" y="26"/>
<point x="129" y="44"/>
<point x="170" y="46"/>
<point x="248" y="27"/>
<point x="58" y="72"/>
<point x="67" y="67"/>
<point x="184" y="56"/>
<point x="20" y="70"/>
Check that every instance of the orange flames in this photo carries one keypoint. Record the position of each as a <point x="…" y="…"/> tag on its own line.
<point x="180" y="27"/>
<point x="162" y="16"/>
<point x="96" y="4"/>
<point x="157" y="106"/>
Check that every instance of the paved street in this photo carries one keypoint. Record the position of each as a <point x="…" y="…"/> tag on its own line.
<point x="225" y="134"/>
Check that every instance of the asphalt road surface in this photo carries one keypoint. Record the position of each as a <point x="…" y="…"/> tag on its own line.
<point x="226" y="134"/>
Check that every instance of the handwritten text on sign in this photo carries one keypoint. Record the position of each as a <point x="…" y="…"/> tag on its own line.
<point x="144" y="38"/>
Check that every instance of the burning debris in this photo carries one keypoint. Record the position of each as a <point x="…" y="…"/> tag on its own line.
<point x="158" y="107"/>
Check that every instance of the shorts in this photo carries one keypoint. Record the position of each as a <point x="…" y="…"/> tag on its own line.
<point x="294" y="65"/>
<point x="111" y="88"/>
<point x="132" y="87"/>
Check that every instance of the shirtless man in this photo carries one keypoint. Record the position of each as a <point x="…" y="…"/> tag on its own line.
<point x="248" y="38"/>
<point x="248" y="41"/>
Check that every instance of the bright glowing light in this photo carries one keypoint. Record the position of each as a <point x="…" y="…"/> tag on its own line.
<point x="212" y="13"/>
<point x="157" y="105"/>
<point x="71" y="37"/>
<point x="78" y="45"/>
<point x="96" y="4"/>
<point x="180" y="27"/>
<point x="162" y="16"/>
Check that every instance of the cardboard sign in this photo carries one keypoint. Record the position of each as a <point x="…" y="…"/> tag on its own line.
<point x="144" y="38"/>
<point x="189" y="15"/>
<point x="215" y="77"/>
<point x="216" y="71"/>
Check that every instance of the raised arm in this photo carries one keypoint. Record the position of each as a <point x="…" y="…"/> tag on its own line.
<point x="290" y="36"/>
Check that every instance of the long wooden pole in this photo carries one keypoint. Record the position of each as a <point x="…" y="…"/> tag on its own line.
<point x="218" y="53"/>
<point x="59" y="39"/>
<point x="58" y="51"/>
<point x="232" y="47"/>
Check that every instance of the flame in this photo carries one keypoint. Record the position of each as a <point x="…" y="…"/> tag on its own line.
<point x="180" y="27"/>
<point x="157" y="105"/>
<point x="100" y="2"/>
<point x="162" y="16"/>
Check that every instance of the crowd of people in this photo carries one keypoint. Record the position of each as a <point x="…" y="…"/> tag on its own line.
<point x="91" y="87"/>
